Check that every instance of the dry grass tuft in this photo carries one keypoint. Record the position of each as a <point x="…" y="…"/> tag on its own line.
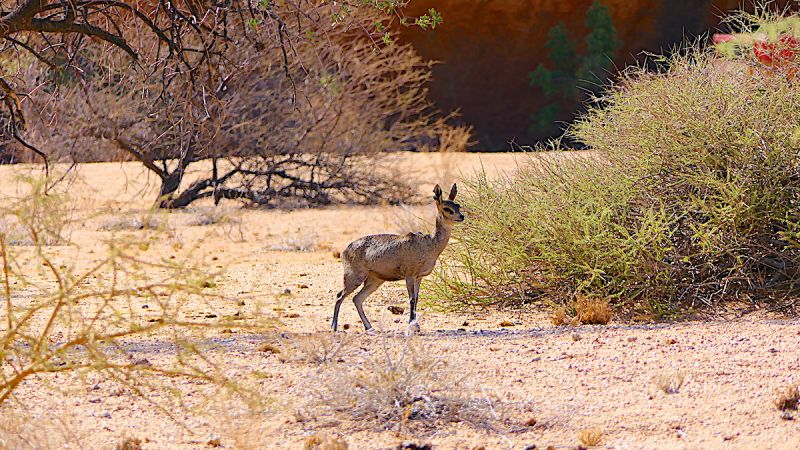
<point x="129" y="444"/>
<point x="316" y="348"/>
<point x="591" y="310"/>
<point x="297" y="243"/>
<point x="205" y="216"/>
<point x="320" y="441"/>
<point x="561" y="317"/>
<point x="788" y="399"/>
<point x="591" y="437"/>
<point x="403" y="388"/>
<point x="584" y="310"/>
<point x="669" y="383"/>
<point x="132" y="223"/>
<point x="266" y="347"/>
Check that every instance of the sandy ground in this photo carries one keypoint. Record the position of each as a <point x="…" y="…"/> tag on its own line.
<point x="281" y="265"/>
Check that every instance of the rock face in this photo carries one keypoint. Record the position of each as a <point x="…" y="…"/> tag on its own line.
<point x="488" y="47"/>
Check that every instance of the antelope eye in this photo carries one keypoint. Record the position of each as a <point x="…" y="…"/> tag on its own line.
<point x="448" y="211"/>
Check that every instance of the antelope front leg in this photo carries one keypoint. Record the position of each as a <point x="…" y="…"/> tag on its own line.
<point x="412" y="284"/>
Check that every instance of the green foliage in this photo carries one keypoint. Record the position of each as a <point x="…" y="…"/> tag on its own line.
<point x="569" y="72"/>
<point x="601" y="44"/>
<point x="689" y="197"/>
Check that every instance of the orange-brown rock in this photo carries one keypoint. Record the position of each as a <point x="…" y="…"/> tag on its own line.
<point x="488" y="47"/>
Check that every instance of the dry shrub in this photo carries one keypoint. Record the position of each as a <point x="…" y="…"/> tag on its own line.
<point x="311" y="129"/>
<point x="129" y="222"/>
<point x="562" y="317"/>
<point x="455" y="139"/>
<point x="669" y="382"/>
<point x="788" y="399"/>
<point x="316" y="348"/>
<point x="591" y="310"/>
<point x="688" y="198"/>
<point x="129" y="444"/>
<point x="584" y="310"/>
<point x="403" y="388"/>
<point x="591" y="437"/>
<point x="204" y="216"/>
<point x="47" y="211"/>
<point x="71" y="319"/>
<point x="297" y="243"/>
<point x="19" y="431"/>
<point x="322" y="441"/>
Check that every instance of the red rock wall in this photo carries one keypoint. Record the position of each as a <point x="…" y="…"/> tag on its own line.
<point x="487" y="47"/>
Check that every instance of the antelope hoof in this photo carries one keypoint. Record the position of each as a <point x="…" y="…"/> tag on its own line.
<point x="413" y="327"/>
<point x="371" y="332"/>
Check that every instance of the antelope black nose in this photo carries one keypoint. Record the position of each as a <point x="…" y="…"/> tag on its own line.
<point x="460" y="217"/>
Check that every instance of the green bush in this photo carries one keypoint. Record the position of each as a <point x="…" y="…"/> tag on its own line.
<point x="689" y="196"/>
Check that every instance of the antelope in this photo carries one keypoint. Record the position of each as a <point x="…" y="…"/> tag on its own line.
<point x="375" y="259"/>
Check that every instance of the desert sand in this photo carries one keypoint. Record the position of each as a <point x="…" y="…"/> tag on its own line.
<point x="281" y="264"/>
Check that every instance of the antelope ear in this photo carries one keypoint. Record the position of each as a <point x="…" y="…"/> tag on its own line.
<point x="437" y="194"/>
<point x="453" y="192"/>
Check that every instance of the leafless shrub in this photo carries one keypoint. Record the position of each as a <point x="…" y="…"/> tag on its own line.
<point x="309" y="131"/>
<point x="19" y="431"/>
<point x="788" y="399"/>
<point x="591" y="437"/>
<point x="403" y="389"/>
<point x="669" y="382"/>
<point x="41" y="221"/>
<point x="83" y="319"/>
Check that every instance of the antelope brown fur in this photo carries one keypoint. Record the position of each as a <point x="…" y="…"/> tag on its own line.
<point x="375" y="259"/>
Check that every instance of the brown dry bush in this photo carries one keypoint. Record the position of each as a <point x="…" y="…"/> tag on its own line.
<point x="788" y="399"/>
<point x="310" y="130"/>
<point x="584" y="310"/>
<point x="590" y="310"/>
<point x="591" y="437"/>
<point x="62" y="318"/>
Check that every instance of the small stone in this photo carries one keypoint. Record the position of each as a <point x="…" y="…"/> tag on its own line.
<point x="530" y="422"/>
<point x="210" y="316"/>
<point x="346" y="326"/>
<point x="396" y="310"/>
<point x="576" y="337"/>
<point x="105" y="415"/>
<point x="465" y="324"/>
<point x="293" y="315"/>
<point x="214" y="441"/>
<point x="287" y="291"/>
<point x="143" y="362"/>
<point x="506" y="323"/>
